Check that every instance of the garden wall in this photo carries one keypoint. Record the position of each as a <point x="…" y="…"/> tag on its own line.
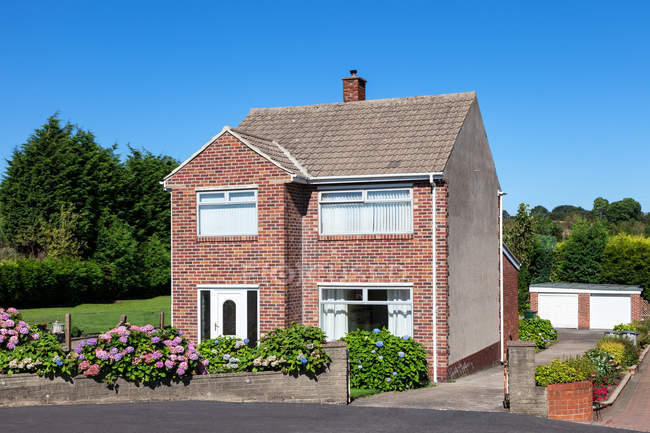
<point x="329" y="387"/>
<point x="565" y="401"/>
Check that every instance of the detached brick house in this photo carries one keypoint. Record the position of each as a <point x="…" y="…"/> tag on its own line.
<point x="361" y="214"/>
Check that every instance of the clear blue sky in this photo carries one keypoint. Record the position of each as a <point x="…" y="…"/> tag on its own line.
<point x="564" y="87"/>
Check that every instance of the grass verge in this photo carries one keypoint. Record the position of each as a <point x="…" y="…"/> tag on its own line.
<point x="356" y="393"/>
<point x="97" y="318"/>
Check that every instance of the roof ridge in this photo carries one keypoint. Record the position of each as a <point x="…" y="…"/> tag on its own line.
<point x="455" y="96"/>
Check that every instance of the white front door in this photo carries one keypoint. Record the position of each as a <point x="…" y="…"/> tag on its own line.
<point x="228" y="313"/>
<point x="605" y="311"/>
<point x="561" y="309"/>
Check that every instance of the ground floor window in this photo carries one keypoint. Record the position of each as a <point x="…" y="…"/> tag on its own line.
<point x="228" y="311"/>
<point x="344" y="309"/>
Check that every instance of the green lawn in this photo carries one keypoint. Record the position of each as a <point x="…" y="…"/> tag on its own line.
<point x="356" y="393"/>
<point x="96" y="318"/>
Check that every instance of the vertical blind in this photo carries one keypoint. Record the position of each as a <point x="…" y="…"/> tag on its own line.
<point x="366" y="212"/>
<point x="227" y="213"/>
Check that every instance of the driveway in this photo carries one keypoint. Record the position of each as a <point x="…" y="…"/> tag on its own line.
<point x="202" y="416"/>
<point x="570" y="342"/>
<point x="481" y="391"/>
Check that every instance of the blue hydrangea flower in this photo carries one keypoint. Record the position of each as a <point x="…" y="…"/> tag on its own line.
<point x="394" y="373"/>
<point x="388" y="379"/>
<point x="81" y="357"/>
<point x="381" y="358"/>
<point x="376" y="330"/>
<point x="303" y="360"/>
<point x="373" y="351"/>
<point x="360" y="366"/>
<point x="400" y="354"/>
<point x="380" y="343"/>
<point x="246" y="340"/>
<point x="406" y="337"/>
<point x="59" y="363"/>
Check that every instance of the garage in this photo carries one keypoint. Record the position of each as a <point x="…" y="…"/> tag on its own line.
<point x="586" y="306"/>
<point x="605" y="311"/>
<point x="560" y="308"/>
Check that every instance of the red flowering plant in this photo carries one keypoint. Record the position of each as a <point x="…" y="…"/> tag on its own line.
<point x="600" y="394"/>
<point x="138" y="354"/>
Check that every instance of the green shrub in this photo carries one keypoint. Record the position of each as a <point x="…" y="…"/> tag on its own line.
<point x="26" y="349"/>
<point x="624" y="327"/>
<point x="300" y="346"/>
<point x="384" y="362"/>
<point x="296" y="349"/>
<point x="538" y="330"/>
<point x="138" y="354"/>
<point x="606" y="370"/>
<point x="624" y="351"/>
<point x="226" y="355"/>
<point x="562" y="371"/>
<point x="643" y="328"/>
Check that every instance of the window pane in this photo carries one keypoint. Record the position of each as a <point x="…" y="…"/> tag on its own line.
<point x="334" y="320"/>
<point x="242" y="196"/>
<point x="342" y="295"/>
<point x="367" y="317"/>
<point x="212" y="197"/>
<point x="228" y="219"/>
<point x="229" y="318"/>
<point x="345" y="218"/>
<point x="251" y="306"/>
<point x="377" y="295"/>
<point x="205" y="315"/>
<point x="388" y="194"/>
<point x="391" y="217"/>
<point x="341" y="196"/>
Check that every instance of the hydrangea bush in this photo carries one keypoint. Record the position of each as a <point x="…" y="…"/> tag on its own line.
<point x="538" y="330"/>
<point x="385" y="362"/>
<point x="139" y="354"/>
<point x="24" y="349"/>
<point x="226" y="355"/>
<point x="296" y="349"/>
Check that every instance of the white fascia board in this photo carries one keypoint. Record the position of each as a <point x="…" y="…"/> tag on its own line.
<point x="594" y="292"/>
<point x="365" y="284"/>
<point x="511" y="258"/>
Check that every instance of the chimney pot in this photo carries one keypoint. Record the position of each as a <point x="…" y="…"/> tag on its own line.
<point x="354" y="87"/>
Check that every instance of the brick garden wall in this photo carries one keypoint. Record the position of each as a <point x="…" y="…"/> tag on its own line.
<point x="571" y="401"/>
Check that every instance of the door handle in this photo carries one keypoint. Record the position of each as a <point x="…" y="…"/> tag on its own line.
<point x="215" y="326"/>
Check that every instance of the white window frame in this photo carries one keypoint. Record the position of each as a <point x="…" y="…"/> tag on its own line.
<point x="364" y="199"/>
<point x="364" y="297"/>
<point x="226" y="193"/>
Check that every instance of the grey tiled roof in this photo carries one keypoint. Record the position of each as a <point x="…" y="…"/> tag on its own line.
<point x="384" y="136"/>
<point x="271" y="149"/>
<point x="586" y="286"/>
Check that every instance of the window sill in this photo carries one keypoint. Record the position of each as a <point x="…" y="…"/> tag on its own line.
<point x="238" y="238"/>
<point x="377" y="236"/>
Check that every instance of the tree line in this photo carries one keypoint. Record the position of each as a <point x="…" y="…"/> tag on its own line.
<point x="608" y="244"/>
<point x="78" y="224"/>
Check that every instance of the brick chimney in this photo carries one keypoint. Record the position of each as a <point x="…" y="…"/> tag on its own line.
<point x="354" y="87"/>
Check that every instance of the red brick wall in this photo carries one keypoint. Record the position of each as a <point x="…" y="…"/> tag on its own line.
<point x="404" y="258"/>
<point x="532" y="298"/>
<point x="257" y="259"/>
<point x="583" y="311"/>
<point x="571" y="401"/>
<point x="636" y="307"/>
<point x="510" y="303"/>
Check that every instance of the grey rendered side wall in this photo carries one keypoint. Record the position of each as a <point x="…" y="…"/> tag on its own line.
<point x="473" y="241"/>
<point x="330" y="387"/>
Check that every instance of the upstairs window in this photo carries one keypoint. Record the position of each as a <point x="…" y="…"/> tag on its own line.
<point x="227" y="213"/>
<point x="366" y="211"/>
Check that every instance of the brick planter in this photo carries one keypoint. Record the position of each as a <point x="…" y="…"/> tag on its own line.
<point x="570" y="401"/>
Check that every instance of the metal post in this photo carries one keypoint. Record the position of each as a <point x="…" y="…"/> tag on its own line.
<point x="162" y="319"/>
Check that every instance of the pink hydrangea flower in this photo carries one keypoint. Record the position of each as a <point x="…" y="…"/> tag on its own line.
<point x="84" y="365"/>
<point x="13" y="339"/>
<point x="134" y="328"/>
<point x="159" y="364"/>
<point x="93" y="370"/>
<point x="12" y="310"/>
<point x="170" y="364"/>
<point x="9" y="323"/>
<point x="11" y="346"/>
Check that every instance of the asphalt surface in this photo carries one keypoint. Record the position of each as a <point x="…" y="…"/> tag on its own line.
<point x="201" y="416"/>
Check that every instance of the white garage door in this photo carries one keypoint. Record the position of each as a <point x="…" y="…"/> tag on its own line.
<point x="605" y="311"/>
<point x="561" y="309"/>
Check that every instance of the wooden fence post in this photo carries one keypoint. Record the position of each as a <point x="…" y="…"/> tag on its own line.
<point x="162" y="319"/>
<point x="68" y="330"/>
<point x="122" y="319"/>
